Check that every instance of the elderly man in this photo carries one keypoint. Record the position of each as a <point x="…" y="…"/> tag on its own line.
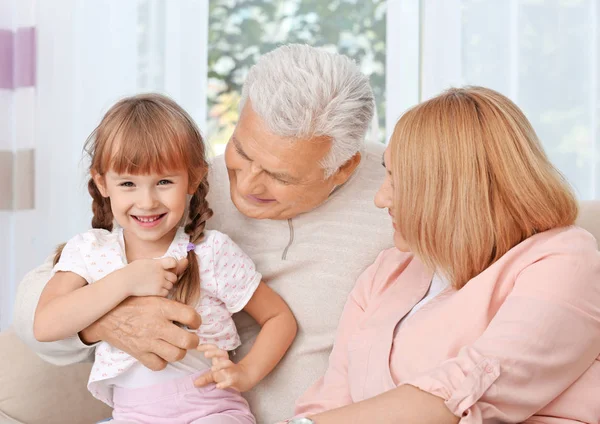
<point x="295" y="191"/>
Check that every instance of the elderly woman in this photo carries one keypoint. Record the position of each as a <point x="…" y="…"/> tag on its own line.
<point x="488" y="308"/>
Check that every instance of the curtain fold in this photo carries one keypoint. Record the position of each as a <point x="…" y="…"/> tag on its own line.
<point x="17" y="134"/>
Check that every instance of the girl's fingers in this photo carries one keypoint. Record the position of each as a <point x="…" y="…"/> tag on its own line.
<point x="206" y="347"/>
<point x="170" y="277"/>
<point x="219" y="365"/>
<point x="204" y="379"/>
<point x="168" y="262"/>
<point x="215" y="353"/>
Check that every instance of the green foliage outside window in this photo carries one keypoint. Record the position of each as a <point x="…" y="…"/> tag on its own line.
<point x="241" y="30"/>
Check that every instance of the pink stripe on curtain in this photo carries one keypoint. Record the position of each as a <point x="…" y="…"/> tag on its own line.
<point x="17" y="58"/>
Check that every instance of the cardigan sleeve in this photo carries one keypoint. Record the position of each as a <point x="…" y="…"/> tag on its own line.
<point x="62" y="352"/>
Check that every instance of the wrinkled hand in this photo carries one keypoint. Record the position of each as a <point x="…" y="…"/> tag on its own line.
<point x="224" y="373"/>
<point x="144" y="328"/>
<point x="151" y="277"/>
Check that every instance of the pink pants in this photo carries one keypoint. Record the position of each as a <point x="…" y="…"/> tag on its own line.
<point x="179" y="402"/>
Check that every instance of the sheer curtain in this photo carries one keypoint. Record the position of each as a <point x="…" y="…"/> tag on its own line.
<point x="89" y="55"/>
<point x="17" y="141"/>
<point x="543" y="54"/>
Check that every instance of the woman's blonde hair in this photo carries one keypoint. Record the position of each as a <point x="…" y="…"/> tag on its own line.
<point x="471" y="181"/>
<point x="150" y="133"/>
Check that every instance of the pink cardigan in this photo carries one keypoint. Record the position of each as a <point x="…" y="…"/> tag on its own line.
<point x="520" y="342"/>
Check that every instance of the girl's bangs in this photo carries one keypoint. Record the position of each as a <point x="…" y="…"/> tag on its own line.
<point x="152" y="147"/>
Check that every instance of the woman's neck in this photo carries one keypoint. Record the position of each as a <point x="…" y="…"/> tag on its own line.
<point x="136" y="248"/>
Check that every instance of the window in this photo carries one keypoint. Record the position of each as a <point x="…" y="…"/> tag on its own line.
<point x="240" y="31"/>
<point x="543" y="54"/>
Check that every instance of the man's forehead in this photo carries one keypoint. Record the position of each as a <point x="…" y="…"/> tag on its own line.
<point x="280" y="157"/>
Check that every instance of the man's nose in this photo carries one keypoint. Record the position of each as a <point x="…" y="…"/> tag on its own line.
<point x="249" y="179"/>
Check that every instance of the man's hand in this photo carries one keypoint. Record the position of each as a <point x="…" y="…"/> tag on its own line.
<point x="144" y="328"/>
<point x="224" y="373"/>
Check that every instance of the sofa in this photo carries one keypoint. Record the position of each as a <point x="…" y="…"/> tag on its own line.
<point x="35" y="392"/>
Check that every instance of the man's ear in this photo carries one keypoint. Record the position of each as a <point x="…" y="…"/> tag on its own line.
<point x="100" y="183"/>
<point x="346" y="170"/>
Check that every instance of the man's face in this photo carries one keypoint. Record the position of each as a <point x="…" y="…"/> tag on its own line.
<point x="273" y="177"/>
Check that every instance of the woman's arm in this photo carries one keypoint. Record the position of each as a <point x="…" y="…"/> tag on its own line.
<point x="405" y="404"/>
<point x="275" y="337"/>
<point x="68" y="304"/>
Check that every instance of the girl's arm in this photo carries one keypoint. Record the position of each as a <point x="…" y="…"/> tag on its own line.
<point x="275" y="337"/>
<point x="68" y="304"/>
<point x="278" y="330"/>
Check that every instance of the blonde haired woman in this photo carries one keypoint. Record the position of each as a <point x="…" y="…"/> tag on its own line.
<point x="488" y="308"/>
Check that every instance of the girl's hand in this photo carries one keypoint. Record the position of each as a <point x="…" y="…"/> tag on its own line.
<point x="151" y="277"/>
<point x="224" y="373"/>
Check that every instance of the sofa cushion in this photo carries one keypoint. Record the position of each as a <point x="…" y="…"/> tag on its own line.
<point x="58" y="394"/>
<point x="589" y="218"/>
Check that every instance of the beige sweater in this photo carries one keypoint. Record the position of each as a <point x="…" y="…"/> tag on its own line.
<point x="312" y="261"/>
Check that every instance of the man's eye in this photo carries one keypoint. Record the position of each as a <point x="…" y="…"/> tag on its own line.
<point x="279" y="180"/>
<point x="242" y="154"/>
<point x="165" y="182"/>
<point x="127" y="184"/>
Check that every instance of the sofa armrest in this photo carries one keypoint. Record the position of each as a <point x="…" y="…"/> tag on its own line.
<point x="35" y="392"/>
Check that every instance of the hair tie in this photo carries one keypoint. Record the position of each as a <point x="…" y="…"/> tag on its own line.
<point x="190" y="247"/>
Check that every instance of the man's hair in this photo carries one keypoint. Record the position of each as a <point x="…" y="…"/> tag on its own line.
<point x="303" y="92"/>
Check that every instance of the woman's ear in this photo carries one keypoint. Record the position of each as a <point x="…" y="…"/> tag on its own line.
<point x="100" y="183"/>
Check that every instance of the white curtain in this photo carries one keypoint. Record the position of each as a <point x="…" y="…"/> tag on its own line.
<point x="543" y="54"/>
<point x="17" y="136"/>
<point x="89" y="55"/>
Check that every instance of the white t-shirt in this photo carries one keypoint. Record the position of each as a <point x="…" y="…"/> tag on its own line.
<point x="438" y="285"/>
<point x="228" y="280"/>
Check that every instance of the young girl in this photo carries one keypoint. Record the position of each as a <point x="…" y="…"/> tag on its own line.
<point x="147" y="156"/>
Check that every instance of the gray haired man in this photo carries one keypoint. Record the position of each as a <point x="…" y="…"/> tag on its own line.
<point x="295" y="191"/>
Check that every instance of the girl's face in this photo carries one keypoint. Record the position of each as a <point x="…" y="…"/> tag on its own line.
<point x="147" y="206"/>
<point x="385" y="199"/>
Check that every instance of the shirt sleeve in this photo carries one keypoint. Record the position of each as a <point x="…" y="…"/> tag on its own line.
<point x="235" y="273"/>
<point x="72" y="260"/>
<point x="542" y="339"/>
<point x="63" y="352"/>
<point x="332" y="390"/>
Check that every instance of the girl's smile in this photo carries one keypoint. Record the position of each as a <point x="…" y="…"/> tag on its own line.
<point x="148" y="221"/>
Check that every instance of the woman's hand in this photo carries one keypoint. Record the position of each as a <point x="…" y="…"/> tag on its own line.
<point x="224" y="373"/>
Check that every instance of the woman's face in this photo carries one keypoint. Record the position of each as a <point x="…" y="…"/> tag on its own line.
<point x="385" y="199"/>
